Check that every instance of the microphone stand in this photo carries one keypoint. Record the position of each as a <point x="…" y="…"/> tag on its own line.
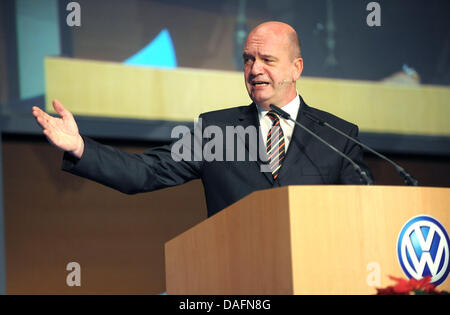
<point x="408" y="179"/>
<point x="362" y="174"/>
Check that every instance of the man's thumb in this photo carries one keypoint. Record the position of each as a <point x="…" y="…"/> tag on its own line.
<point x="59" y="108"/>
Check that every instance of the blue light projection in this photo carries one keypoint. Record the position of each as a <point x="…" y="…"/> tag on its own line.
<point x="159" y="52"/>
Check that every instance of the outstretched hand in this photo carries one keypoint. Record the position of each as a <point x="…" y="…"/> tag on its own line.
<point x="62" y="131"/>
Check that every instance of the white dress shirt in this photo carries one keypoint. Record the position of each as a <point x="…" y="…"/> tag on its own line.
<point x="288" y="126"/>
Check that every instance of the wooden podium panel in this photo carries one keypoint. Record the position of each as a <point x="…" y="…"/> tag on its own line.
<point x="340" y="231"/>
<point x="244" y="249"/>
<point x="301" y="240"/>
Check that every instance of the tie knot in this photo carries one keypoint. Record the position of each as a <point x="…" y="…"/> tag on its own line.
<point x="272" y="115"/>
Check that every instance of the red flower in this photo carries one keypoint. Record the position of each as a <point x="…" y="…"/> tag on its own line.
<point x="411" y="286"/>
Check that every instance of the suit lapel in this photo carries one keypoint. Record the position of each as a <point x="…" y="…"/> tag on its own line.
<point x="299" y="140"/>
<point x="249" y="117"/>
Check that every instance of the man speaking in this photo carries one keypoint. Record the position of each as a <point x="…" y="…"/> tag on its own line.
<point x="272" y="65"/>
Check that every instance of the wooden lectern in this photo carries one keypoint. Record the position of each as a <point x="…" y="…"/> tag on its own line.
<point x="302" y="240"/>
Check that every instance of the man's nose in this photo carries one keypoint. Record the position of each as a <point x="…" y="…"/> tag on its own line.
<point x="257" y="68"/>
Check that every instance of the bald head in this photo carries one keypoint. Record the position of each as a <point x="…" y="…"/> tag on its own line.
<point x="272" y="64"/>
<point x="282" y="31"/>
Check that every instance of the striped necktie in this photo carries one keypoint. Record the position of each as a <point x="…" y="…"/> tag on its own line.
<point x="275" y="145"/>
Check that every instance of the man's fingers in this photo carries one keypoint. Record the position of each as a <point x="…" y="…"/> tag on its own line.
<point x="37" y="112"/>
<point x="42" y="121"/>
<point x="46" y="121"/>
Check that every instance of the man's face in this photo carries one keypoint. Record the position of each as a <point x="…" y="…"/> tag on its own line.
<point x="270" y="70"/>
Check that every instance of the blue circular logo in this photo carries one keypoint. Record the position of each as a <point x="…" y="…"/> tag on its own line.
<point x="423" y="249"/>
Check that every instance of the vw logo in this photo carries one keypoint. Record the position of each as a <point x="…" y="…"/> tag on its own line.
<point x="423" y="249"/>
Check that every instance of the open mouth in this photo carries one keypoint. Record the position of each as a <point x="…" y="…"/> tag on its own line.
<point x="259" y="83"/>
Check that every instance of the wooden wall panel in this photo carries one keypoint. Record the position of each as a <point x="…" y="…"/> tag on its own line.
<point x="53" y="218"/>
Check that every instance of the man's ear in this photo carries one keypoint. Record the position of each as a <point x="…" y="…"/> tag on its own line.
<point x="298" y="69"/>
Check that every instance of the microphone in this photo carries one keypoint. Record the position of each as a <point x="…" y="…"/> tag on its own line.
<point x="362" y="174"/>
<point x="285" y="81"/>
<point x="407" y="178"/>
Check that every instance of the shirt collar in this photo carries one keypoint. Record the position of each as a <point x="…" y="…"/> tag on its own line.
<point x="291" y="108"/>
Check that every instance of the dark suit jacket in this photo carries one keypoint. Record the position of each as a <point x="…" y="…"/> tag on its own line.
<point x="307" y="161"/>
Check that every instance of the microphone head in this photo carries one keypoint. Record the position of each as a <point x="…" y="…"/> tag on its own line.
<point x="280" y="112"/>
<point x="285" y="81"/>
